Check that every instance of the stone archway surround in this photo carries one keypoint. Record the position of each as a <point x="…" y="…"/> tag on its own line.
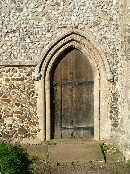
<point x="102" y="73"/>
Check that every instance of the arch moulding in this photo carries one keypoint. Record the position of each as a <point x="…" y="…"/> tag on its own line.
<point x="102" y="78"/>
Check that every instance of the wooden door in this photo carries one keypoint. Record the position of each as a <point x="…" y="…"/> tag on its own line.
<point x="72" y="96"/>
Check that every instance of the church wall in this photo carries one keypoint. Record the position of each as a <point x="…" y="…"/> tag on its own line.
<point x="28" y="28"/>
<point x="18" y="118"/>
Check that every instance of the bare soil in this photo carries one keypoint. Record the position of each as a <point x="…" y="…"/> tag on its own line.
<point x="43" y="166"/>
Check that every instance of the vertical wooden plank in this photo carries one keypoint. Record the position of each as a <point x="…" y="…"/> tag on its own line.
<point x="57" y="101"/>
<point x="65" y="96"/>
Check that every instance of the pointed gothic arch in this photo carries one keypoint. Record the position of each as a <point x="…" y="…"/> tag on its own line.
<point x="102" y="76"/>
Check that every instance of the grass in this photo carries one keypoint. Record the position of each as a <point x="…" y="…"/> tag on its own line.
<point x="48" y="142"/>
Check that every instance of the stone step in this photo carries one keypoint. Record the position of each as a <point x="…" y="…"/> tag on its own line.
<point x="80" y="152"/>
<point x="74" y="150"/>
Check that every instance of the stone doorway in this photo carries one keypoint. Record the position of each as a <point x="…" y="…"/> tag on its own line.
<point x="101" y="88"/>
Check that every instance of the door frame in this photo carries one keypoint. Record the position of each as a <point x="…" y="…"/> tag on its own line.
<point x="102" y="85"/>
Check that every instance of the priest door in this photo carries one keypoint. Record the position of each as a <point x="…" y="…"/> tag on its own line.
<point x="72" y="99"/>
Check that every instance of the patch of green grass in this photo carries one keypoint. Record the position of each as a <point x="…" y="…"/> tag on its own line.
<point x="57" y="164"/>
<point x="32" y="157"/>
<point x="48" y="142"/>
<point x="127" y="164"/>
<point x="90" y="162"/>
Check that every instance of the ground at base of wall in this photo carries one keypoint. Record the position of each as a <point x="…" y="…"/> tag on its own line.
<point x="76" y="157"/>
<point x="43" y="166"/>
